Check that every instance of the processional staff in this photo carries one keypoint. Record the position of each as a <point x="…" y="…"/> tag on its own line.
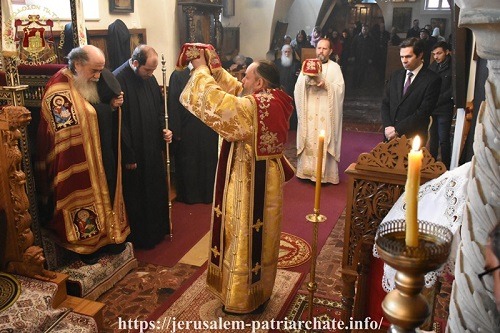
<point x="167" y="151"/>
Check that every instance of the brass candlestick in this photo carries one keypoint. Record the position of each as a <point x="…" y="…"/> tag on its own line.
<point x="405" y="307"/>
<point x="314" y="218"/>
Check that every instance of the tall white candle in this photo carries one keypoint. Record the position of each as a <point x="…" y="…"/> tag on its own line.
<point x="411" y="192"/>
<point x="319" y="169"/>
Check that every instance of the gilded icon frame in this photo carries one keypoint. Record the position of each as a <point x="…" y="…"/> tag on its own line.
<point x="121" y="6"/>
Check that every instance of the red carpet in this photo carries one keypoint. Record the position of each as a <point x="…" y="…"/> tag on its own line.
<point x="326" y="310"/>
<point x="299" y="194"/>
<point x="323" y="310"/>
<point x="294" y="251"/>
<point x="326" y="316"/>
<point x="298" y="202"/>
<point x="178" y="293"/>
<point x="191" y="222"/>
<point x="197" y="304"/>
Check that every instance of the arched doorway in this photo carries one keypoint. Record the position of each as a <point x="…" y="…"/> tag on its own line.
<point x="364" y="86"/>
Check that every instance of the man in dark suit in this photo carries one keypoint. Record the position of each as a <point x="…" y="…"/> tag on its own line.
<point x="442" y="114"/>
<point x="414" y="31"/>
<point x="411" y="94"/>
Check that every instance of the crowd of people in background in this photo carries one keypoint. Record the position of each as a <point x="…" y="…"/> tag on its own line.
<point x="361" y="51"/>
<point x="361" y="45"/>
<point x="360" y="48"/>
<point x="104" y="206"/>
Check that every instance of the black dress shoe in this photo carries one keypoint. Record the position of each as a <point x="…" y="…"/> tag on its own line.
<point x="231" y="313"/>
<point x="90" y="259"/>
<point x="114" y="248"/>
<point x="259" y="310"/>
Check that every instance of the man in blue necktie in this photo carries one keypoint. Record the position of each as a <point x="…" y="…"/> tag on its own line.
<point x="411" y="94"/>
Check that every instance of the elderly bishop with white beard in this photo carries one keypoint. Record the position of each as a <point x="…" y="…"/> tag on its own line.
<point x="74" y="194"/>
<point x="289" y="69"/>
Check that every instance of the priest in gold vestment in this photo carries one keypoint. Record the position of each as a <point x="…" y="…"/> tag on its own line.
<point x="247" y="208"/>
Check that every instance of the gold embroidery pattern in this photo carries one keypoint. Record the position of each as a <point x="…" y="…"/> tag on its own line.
<point x="221" y="117"/>
<point x="257" y="225"/>
<point x="311" y="66"/>
<point x="214" y="59"/>
<point x="192" y="53"/>
<point x="215" y="251"/>
<point x="256" y="269"/>
<point x="217" y="211"/>
<point x="267" y="139"/>
<point x="35" y="46"/>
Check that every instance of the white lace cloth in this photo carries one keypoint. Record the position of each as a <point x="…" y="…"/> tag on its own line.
<point x="441" y="201"/>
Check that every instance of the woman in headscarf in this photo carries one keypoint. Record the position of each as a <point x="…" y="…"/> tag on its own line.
<point x="315" y="36"/>
<point x="436" y="34"/>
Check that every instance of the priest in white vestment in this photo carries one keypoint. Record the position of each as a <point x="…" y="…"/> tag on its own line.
<point x="319" y="97"/>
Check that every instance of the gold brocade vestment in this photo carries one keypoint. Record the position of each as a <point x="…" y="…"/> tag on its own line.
<point x="247" y="209"/>
<point x="71" y="179"/>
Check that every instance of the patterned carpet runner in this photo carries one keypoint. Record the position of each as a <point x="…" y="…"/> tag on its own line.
<point x="32" y="312"/>
<point x="294" y="251"/>
<point x="196" y="303"/>
<point x="10" y="289"/>
<point x="324" y="310"/>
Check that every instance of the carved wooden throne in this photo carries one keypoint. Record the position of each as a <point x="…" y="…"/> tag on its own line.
<point x="376" y="181"/>
<point x="20" y="254"/>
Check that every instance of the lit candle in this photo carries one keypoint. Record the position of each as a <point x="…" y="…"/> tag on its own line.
<point x="411" y="192"/>
<point x="319" y="167"/>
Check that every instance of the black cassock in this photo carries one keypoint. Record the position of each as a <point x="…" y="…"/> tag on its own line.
<point x="288" y="78"/>
<point x="195" y="147"/>
<point x="145" y="189"/>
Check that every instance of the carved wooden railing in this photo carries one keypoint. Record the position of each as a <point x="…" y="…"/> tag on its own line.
<point x="376" y="181"/>
<point x="19" y="254"/>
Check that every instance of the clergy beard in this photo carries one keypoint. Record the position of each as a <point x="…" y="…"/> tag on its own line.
<point x="286" y="61"/>
<point x="88" y="89"/>
<point x="246" y="92"/>
<point x="323" y="58"/>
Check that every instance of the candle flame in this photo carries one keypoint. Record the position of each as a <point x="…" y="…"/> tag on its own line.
<point x="322" y="133"/>
<point x="416" y="143"/>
